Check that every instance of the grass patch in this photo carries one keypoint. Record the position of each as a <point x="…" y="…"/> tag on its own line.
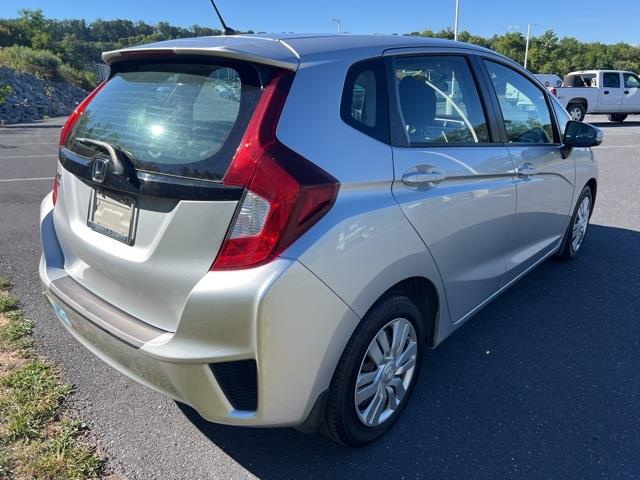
<point x="37" y="439"/>
<point x="8" y="303"/>
<point x="61" y="455"/>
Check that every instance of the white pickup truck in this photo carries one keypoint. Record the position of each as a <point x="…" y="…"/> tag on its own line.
<point x="601" y="92"/>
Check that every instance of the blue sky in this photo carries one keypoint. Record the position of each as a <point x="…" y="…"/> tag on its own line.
<point x="588" y="20"/>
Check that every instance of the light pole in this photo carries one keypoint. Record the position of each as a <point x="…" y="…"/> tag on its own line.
<point x="526" y="48"/>
<point x="455" y="25"/>
<point x="337" y="20"/>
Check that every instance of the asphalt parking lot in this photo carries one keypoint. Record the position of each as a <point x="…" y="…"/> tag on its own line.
<point x="543" y="383"/>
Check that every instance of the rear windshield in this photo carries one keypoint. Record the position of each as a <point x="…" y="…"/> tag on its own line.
<point x="183" y="119"/>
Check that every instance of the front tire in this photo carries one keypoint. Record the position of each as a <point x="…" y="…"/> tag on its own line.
<point x="617" y="117"/>
<point x="577" y="111"/>
<point x="376" y="373"/>
<point x="577" y="231"/>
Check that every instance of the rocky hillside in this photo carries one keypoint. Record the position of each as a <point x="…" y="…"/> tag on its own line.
<point x="33" y="99"/>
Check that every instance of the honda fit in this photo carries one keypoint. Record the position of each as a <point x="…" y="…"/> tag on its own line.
<point x="273" y="230"/>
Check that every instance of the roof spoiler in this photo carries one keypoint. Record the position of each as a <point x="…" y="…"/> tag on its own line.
<point x="250" y="52"/>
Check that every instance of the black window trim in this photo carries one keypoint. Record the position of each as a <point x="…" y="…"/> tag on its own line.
<point x="557" y="138"/>
<point x="556" y="119"/>
<point x="380" y="131"/>
<point x="398" y="134"/>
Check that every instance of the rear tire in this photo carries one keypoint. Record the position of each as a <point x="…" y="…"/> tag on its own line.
<point x="383" y="386"/>
<point x="577" y="111"/>
<point x="617" y="117"/>
<point x="577" y="231"/>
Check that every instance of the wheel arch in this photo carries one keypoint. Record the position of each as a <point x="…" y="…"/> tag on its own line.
<point x="580" y="101"/>
<point x="424" y="294"/>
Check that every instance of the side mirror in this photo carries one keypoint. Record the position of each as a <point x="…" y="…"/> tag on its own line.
<point x="580" y="135"/>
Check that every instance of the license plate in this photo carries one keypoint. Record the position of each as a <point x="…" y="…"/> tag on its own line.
<point x="113" y="215"/>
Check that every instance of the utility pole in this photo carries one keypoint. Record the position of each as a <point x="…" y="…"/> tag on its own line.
<point x="526" y="49"/>
<point x="337" y="20"/>
<point x="455" y="25"/>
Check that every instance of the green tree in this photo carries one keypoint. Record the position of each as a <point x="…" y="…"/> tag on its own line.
<point x="34" y="24"/>
<point x="5" y="91"/>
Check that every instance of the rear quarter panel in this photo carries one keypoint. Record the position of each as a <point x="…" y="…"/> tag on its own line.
<point x="364" y="245"/>
<point x="590" y="94"/>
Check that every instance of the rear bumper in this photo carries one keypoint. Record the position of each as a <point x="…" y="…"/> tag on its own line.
<point x="280" y="316"/>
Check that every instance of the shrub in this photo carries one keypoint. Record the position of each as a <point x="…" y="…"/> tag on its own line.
<point x="5" y="91"/>
<point x="40" y="63"/>
<point x="46" y="65"/>
<point x="80" y="78"/>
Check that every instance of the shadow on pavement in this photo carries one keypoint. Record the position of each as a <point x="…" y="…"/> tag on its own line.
<point x="543" y="383"/>
<point x="626" y="124"/>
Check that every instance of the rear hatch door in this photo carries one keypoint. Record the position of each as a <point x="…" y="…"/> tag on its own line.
<point x="142" y="210"/>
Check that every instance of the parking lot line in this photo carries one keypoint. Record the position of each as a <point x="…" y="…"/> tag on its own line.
<point x="6" y="180"/>
<point x="29" y="144"/>
<point x="618" y="146"/>
<point x="29" y="156"/>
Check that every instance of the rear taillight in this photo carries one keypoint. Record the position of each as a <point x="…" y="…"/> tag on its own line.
<point x="554" y="91"/>
<point x="68" y="126"/>
<point x="56" y="186"/>
<point x="77" y="113"/>
<point x="285" y="194"/>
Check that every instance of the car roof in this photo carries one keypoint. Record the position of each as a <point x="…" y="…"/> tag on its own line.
<point x="580" y="72"/>
<point x="288" y="50"/>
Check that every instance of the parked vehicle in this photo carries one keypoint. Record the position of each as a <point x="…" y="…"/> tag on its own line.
<point x="286" y="256"/>
<point x="548" y="80"/>
<point x="600" y="92"/>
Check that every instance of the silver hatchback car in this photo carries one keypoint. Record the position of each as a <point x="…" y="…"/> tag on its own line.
<point x="272" y="230"/>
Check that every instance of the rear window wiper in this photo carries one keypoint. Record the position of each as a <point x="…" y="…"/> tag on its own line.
<point x="118" y="156"/>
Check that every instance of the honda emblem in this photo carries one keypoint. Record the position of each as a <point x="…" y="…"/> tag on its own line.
<point x="99" y="170"/>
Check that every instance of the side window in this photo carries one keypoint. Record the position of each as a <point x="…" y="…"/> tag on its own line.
<point x="364" y="99"/>
<point x="631" y="80"/>
<point x="611" y="80"/>
<point x="439" y="101"/>
<point x="561" y="114"/>
<point x="527" y="118"/>
<point x="589" y="80"/>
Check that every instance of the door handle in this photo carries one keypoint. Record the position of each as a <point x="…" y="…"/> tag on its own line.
<point x="626" y="92"/>
<point x="606" y="92"/>
<point x="422" y="175"/>
<point x="527" y="170"/>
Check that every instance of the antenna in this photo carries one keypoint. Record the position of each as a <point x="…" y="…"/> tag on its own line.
<point x="225" y="30"/>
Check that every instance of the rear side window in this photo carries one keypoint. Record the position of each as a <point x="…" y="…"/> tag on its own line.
<point x="180" y="119"/>
<point x="526" y="115"/>
<point x="364" y="99"/>
<point x="439" y="101"/>
<point x="611" y="80"/>
<point x="631" y="80"/>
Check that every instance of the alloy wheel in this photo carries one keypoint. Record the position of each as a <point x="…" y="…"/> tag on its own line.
<point x="386" y="372"/>
<point x="580" y="224"/>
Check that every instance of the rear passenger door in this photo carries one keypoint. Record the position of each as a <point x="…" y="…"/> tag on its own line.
<point x="631" y="99"/>
<point x="610" y="93"/>
<point x="544" y="179"/>
<point x="453" y="179"/>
